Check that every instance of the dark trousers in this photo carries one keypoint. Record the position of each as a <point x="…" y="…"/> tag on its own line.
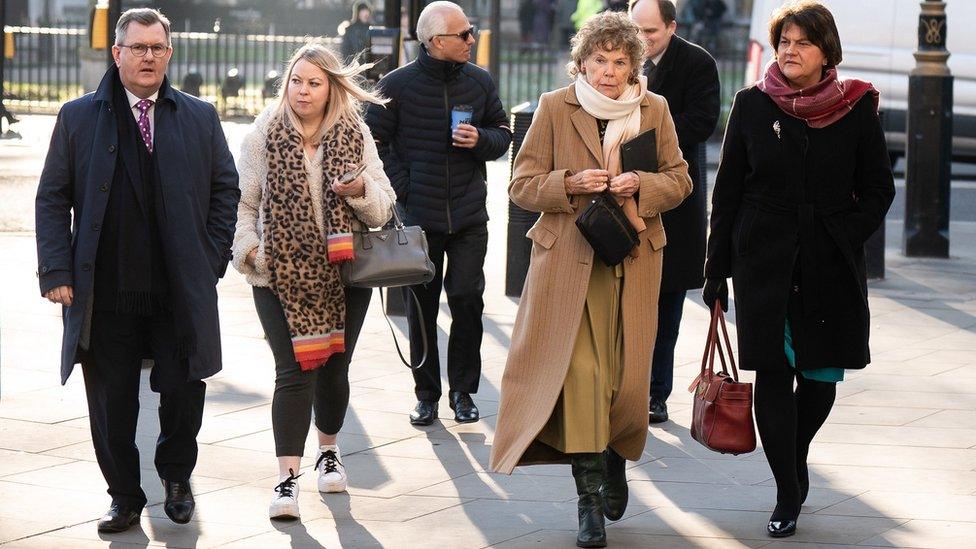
<point x="787" y="421"/>
<point x="669" y="308"/>
<point x="297" y="392"/>
<point x="464" y="283"/>
<point x="112" y="371"/>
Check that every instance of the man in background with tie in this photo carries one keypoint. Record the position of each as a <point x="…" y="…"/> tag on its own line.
<point x="135" y="215"/>
<point x="686" y="75"/>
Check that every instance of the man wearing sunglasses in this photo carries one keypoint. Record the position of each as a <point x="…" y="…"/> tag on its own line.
<point x="444" y="121"/>
<point x="135" y="215"/>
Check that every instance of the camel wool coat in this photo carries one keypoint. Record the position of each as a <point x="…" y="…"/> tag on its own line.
<point x="563" y="139"/>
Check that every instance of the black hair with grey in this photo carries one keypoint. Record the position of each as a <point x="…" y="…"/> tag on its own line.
<point x="143" y="16"/>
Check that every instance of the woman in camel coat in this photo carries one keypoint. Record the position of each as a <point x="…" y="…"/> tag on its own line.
<point x="562" y="162"/>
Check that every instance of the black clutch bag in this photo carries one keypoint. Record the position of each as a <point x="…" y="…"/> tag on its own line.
<point x="607" y="229"/>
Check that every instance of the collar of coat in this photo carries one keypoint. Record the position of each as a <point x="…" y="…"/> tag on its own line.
<point x="444" y="70"/>
<point x="107" y="87"/>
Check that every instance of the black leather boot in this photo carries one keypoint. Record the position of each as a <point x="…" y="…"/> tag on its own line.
<point x="589" y="471"/>
<point x="614" y="487"/>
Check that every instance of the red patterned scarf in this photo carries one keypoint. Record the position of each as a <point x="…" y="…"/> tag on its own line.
<point x="303" y="261"/>
<point x="821" y="104"/>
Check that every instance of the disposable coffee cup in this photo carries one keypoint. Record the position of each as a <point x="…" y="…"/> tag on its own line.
<point x="460" y="114"/>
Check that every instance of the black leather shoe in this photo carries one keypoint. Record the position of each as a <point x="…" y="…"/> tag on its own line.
<point x="614" y="488"/>
<point x="658" y="411"/>
<point x="464" y="409"/>
<point x="425" y="413"/>
<point x="781" y="528"/>
<point x="118" y="519"/>
<point x="179" y="501"/>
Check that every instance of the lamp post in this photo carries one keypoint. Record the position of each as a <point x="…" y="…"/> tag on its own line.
<point x="929" y="131"/>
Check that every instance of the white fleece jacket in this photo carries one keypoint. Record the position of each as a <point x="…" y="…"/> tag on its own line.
<point x="372" y="209"/>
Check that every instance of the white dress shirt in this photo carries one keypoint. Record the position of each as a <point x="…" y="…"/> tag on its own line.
<point x="133" y="99"/>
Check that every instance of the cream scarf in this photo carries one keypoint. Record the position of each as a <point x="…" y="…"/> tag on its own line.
<point x="624" y="122"/>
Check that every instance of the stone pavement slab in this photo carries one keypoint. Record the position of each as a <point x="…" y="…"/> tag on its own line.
<point x="895" y="465"/>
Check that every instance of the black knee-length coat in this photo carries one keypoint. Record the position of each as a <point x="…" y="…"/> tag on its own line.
<point x="791" y="209"/>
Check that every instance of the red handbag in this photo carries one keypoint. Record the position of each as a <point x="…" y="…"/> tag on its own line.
<point x="722" y="417"/>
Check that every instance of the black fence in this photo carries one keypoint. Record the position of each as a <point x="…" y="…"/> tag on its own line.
<point x="528" y="70"/>
<point x="43" y="67"/>
<point x="51" y="65"/>
<point x="48" y="66"/>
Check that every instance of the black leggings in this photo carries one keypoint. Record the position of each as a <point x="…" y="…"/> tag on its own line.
<point x="787" y="421"/>
<point x="296" y="391"/>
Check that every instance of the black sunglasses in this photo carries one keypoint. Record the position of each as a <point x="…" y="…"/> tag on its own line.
<point x="463" y="35"/>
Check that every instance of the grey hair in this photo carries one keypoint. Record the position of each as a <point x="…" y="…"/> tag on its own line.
<point x="432" y="21"/>
<point x="143" y="16"/>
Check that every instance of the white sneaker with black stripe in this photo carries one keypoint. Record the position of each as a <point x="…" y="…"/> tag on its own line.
<point x="285" y="502"/>
<point x="332" y="474"/>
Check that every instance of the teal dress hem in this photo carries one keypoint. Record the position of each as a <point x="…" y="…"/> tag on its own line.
<point x="826" y="375"/>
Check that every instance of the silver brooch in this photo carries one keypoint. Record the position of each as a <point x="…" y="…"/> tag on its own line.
<point x="776" y="128"/>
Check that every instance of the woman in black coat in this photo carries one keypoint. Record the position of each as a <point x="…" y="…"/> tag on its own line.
<point x="803" y="181"/>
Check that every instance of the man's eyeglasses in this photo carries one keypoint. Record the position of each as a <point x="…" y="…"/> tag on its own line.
<point x="463" y="35"/>
<point x="140" y="50"/>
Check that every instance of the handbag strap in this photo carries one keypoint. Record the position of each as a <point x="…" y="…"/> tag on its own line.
<point x="728" y="343"/>
<point x="712" y="344"/>
<point x="423" y="332"/>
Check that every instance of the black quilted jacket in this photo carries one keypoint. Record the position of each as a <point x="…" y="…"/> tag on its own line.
<point x="440" y="187"/>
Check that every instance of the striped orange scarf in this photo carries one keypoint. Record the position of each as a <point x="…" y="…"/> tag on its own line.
<point x="302" y="261"/>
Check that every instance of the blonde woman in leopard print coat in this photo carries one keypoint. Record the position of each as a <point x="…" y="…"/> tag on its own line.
<point x="294" y="227"/>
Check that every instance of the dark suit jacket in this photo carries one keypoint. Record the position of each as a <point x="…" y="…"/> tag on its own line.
<point x="688" y="78"/>
<point x="200" y="194"/>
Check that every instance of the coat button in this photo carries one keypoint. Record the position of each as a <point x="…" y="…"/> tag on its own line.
<point x="111" y="148"/>
<point x="104" y="187"/>
<point x="96" y="226"/>
<point x="86" y="266"/>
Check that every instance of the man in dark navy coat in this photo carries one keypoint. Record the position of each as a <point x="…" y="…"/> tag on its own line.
<point x="135" y="213"/>
<point x="686" y="75"/>
<point x="439" y="177"/>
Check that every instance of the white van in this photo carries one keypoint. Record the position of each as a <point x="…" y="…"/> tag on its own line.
<point x="878" y="38"/>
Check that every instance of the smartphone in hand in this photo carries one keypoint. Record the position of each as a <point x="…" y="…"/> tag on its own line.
<point x="351" y="175"/>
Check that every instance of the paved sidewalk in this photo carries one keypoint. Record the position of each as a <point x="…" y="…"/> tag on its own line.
<point x="894" y="466"/>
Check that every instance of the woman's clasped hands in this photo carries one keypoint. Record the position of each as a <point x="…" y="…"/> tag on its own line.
<point x="596" y="180"/>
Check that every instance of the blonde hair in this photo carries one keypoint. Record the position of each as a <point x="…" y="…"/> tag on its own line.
<point x="347" y="91"/>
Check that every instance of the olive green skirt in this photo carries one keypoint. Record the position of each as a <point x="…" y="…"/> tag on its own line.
<point x="580" y="421"/>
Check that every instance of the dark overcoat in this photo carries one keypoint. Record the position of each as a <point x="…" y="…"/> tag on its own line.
<point x="688" y="78"/>
<point x="199" y="188"/>
<point x="788" y="196"/>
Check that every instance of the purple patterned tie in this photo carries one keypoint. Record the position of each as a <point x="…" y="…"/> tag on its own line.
<point x="143" y="106"/>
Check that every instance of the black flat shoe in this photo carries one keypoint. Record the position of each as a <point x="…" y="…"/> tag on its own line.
<point x="118" y="519"/>
<point x="464" y="409"/>
<point x="179" y="501"/>
<point x="614" y="488"/>
<point x="781" y="528"/>
<point x="658" y="412"/>
<point x="424" y="413"/>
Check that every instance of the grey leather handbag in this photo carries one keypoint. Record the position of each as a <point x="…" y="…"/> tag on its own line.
<point x="389" y="257"/>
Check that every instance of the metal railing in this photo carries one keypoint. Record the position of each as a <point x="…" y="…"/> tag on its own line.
<point x="44" y="67"/>
<point x="528" y="70"/>
<point x="47" y="67"/>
